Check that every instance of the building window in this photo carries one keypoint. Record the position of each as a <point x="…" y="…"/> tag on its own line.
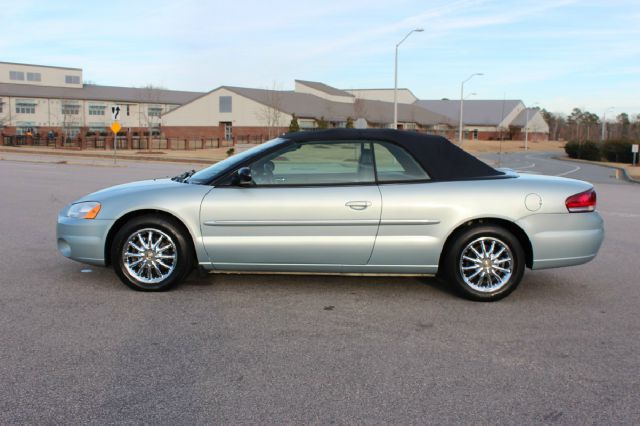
<point x="34" y="76"/>
<point x="307" y="124"/>
<point x="25" y="108"/>
<point x="97" y="127"/>
<point x="26" y="130"/>
<point x="155" y="111"/>
<point x="96" y="109"/>
<point x="228" y="131"/>
<point x="71" y="131"/>
<point x="225" y="103"/>
<point x="72" y="79"/>
<point x="70" y="109"/>
<point x="16" y="75"/>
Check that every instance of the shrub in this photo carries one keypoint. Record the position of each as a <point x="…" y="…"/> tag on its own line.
<point x="294" y="126"/>
<point x="230" y="152"/>
<point x="587" y="150"/>
<point x="571" y="148"/>
<point x="590" y="150"/>
<point x="349" y="124"/>
<point x="617" y="151"/>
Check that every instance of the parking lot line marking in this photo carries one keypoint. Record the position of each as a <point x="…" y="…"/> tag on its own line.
<point x="569" y="172"/>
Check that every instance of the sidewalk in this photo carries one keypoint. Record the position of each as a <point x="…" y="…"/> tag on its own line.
<point x="212" y="155"/>
<point x="200" y="156"/>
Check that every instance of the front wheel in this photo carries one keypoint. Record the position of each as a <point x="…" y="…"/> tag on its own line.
<point x="485" y="263"/>
<point x="150" y="253"/>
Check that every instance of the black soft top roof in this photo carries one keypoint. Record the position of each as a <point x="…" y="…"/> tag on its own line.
<point x="439" y="157"/>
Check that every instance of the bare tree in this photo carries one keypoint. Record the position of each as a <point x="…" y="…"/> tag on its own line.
<point x="271" y="111"/>
<point x="150" y="109"/>
<point x="359" y="108"/>
<point x="68" y="117"/>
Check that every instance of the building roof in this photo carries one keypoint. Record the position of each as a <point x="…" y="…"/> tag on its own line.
<point x="99" y="93"/>
<point x="476" y="111"/>
<point x="325" y="88"/>
<point x="520" y="120"/>
<point x="306" y="105"/>
<point x="41" y="66"/>
<point x="382" y="89"/>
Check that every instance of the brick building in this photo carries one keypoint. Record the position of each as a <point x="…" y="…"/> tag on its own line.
<point x="492" y="119"/>
<point x="36" y="99"/>
<point x="240" y="112"/>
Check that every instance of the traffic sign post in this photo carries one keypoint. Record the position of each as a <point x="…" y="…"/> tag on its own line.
<point x="115" y="128"/>
<point x="634" y="150"/>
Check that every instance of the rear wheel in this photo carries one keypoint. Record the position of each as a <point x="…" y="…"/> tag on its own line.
<point x="485" y="263"/>
<point x="151" y="253"/>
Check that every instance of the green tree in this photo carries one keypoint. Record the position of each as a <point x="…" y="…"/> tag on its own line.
<point x="556" y="122"/>
<point x="349" y="124"/>
<point x="321" y="123"/>
<point x="623" y="122"/>
<point x="294" y="126"/>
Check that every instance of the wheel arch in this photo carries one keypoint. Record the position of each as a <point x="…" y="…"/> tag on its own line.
<point x="516" y="230"/>
<point x="119" y="223"/>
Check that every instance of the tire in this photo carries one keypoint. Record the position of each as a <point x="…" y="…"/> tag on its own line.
<point x="487" y="274"/>
<point x="156" y="266"/>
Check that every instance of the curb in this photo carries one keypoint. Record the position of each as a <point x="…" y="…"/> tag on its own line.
<point x="596" y="163"/>
<point x="109" y="157"/>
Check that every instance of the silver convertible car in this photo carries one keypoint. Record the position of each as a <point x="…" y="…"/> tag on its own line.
<point x="340" y="201"/>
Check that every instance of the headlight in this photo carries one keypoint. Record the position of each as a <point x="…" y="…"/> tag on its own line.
<point x="86" y="210"/>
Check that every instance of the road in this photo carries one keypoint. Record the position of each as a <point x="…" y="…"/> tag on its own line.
<point x="79" y="347"/>
<point x="546" y="163"/>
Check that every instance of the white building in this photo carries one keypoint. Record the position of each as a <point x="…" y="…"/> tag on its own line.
<point x="245" y="112"/>
<point x="38" y="98"/>
<point x="489" y="119"/>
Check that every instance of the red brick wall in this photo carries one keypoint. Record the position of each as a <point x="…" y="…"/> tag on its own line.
<point x="240" y="133"/>
<point x="513" y="135"/>
<point x="191" y="131"/>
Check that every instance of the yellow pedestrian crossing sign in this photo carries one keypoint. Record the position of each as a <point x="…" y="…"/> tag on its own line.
<point x="115" y="127"/>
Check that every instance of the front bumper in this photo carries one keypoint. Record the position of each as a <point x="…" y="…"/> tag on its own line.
<point x="82" y="239"/>
<point x="563" y="239"/>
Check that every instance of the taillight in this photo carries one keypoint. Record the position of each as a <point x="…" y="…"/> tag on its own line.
<point x="582" y="202"/>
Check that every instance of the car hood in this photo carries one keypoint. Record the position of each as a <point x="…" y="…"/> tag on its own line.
<point x="131" y="188"/>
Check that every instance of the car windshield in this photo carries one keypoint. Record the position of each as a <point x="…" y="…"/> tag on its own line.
<point x="211" y="172"/>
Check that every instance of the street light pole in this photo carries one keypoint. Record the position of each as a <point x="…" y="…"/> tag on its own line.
<point x="604" y="119"/>
<point x="395" y="78"/>
<point x="462" y="105"/>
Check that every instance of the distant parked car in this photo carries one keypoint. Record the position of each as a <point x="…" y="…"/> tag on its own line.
<point x="339" y="201"/>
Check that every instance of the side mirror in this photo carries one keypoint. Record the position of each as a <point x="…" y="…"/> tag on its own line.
<point x="243" y="176"/>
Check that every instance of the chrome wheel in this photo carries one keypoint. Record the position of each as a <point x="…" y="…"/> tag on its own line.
<point x="149" y="256"/>
<point x="486" y="264"/>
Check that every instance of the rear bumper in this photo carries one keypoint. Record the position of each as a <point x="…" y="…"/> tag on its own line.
<point x="563" y="239"/>
<point x="83" y="240"/>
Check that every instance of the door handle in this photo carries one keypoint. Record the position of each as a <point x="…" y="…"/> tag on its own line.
<point x="358" y="205"/>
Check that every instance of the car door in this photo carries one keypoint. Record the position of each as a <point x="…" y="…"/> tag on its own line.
<point x="411" y="224"/>
<point x="312" y="206"/>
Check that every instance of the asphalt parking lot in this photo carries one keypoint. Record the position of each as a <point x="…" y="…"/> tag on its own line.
<point x="80" y="347"/>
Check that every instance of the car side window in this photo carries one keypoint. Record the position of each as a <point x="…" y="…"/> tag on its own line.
<point x="316" y="163"/>
<point x="394" y="164"/>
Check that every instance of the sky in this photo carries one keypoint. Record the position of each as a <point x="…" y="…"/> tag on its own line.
<point x="555" y="54"/>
